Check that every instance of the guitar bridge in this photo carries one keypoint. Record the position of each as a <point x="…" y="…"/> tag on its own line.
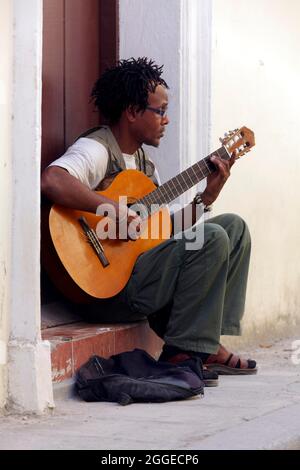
<point x="94" y="241"/>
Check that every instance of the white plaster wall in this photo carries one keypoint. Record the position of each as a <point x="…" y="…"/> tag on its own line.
<point x="255" y="82"/>
<point x="177" y="34"/>
<point x="152" y="28"/>
<point x="5" y="178"/>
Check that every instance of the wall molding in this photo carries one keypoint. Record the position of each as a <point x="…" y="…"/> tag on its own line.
<point x="29" y="362"/>
<point x="195" y="89"/>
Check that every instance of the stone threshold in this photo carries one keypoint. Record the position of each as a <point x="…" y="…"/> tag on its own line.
<point x="73" y="344"/>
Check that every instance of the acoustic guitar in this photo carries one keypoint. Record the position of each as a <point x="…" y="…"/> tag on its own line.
<point x="102" y="268"/>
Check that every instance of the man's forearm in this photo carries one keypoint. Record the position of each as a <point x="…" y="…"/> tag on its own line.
<point x="62" y="188"/>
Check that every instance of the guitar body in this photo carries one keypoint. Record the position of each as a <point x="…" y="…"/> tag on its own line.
<point x="78" y="256"/>
<point x="83" y="277"/>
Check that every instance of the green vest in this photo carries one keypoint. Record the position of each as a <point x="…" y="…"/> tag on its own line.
<point x="116" y="162"/>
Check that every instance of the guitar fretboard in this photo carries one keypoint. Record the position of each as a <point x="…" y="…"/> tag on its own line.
<point x="181" y="183"/>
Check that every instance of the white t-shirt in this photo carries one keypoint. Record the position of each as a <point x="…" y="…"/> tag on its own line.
<point x="87" y="161"/>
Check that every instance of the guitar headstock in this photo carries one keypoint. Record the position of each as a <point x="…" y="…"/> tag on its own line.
<point x="240" y="140"/>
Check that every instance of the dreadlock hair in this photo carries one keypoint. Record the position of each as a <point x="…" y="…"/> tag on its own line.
<point x="126" y="84"/>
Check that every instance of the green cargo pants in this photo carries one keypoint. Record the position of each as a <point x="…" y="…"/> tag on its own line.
<point x="191" y="297"/>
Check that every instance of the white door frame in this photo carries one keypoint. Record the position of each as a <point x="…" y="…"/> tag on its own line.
<point x="195" y="112"/>
<point x="29" y="361"/>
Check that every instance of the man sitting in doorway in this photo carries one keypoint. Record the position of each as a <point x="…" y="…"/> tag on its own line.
<point x="191" y="297"/>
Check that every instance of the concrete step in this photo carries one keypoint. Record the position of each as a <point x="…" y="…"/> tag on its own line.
<point x="73" y="344"/>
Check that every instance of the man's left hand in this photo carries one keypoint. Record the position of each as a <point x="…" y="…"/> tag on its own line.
<point x="217" y="179"/>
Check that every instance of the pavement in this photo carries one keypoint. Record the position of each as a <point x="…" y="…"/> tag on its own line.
<point x="243" y="412"/>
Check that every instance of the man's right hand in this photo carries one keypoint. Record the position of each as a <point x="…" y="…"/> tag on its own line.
<point x="117" y="222"/>
<point x="127" y="221"/>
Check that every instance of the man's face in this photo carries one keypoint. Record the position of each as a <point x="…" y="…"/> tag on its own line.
<point x="149" y="126"/>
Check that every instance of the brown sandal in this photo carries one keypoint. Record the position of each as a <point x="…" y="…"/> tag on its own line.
<point x="226" y="363"/>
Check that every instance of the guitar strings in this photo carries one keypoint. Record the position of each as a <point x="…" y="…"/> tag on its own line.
<point x="164" y="193"/>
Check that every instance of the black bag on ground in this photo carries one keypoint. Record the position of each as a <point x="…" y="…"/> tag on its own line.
<point x="135" y="376"/>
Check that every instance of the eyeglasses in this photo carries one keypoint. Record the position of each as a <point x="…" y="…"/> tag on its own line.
<point x="161" y="112"/>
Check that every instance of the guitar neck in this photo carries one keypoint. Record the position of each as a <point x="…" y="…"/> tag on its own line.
<point x="179" y="184"/>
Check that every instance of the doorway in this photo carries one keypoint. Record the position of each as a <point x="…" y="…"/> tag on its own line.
<point x="80" y="40"/>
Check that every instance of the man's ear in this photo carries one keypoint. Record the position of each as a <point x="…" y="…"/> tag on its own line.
<point x="131" y="113"/>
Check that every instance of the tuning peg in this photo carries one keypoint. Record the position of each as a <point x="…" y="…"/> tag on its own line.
<point x="225" y="138"/>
